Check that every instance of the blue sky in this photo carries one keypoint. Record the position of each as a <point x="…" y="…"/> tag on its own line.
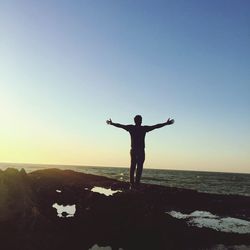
<point x="66" y="67"/>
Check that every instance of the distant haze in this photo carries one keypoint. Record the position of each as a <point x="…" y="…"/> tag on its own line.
<point x="68" y="66"/>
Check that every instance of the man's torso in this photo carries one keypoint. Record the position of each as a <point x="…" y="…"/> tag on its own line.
<point x="137" y="134"/>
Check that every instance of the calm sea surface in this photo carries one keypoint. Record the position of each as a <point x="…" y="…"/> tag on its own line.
<point x="211" y="182"/>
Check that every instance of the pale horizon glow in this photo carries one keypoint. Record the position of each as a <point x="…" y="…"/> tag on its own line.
<point x="65" y="68"/>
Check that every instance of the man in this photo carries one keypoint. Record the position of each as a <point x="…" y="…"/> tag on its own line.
<point x="137" y="153"/>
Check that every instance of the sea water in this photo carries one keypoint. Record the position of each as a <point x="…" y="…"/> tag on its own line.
<point x="210" y="182"/>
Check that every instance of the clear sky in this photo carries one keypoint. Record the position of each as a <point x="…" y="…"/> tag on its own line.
<point x="67" y="66"/>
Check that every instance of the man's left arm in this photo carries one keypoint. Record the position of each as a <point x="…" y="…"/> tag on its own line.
<point x="160" y="125"/>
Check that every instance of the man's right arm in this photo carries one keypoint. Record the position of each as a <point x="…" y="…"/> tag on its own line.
<point x="118" y="125"/>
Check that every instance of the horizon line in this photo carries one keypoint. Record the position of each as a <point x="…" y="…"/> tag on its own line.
<point x="78" y="165"/>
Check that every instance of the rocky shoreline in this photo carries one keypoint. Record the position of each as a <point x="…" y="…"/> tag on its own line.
<point x="128" y="219"/>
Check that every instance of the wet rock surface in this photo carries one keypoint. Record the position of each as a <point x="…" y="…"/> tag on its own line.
<point x="131" y="219"/>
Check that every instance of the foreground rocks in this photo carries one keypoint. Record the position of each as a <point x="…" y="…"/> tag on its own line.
<point x="131" y="219"/>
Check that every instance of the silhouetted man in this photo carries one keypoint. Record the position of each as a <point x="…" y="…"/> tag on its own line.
<point x="137" y="153"/>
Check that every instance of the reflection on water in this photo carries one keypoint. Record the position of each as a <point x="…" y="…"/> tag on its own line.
<point x="96" y="247"/>
<point x="105" y="191"/>
<point x="206" y="219"/>
<point x="65" y="211"/>
<point x="235" y="247"/>
<point x="58" y="191"/>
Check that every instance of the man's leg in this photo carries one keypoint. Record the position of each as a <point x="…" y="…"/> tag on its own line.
<point x="132" y="166"/>
<point x="140" y="161"/>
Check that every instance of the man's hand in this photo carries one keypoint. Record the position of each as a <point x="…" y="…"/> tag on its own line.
<point x="170" y="121"/>
<point x="109" y="122"/>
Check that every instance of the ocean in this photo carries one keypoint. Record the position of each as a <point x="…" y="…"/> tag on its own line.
<point x="209" y="182"/>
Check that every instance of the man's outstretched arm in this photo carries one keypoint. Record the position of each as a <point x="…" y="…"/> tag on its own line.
<point x="160" y="125"/>
<point x="118" y="125"/>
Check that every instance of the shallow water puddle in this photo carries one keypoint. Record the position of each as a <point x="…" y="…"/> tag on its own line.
<point x="105" y="191"/>
<point x="206" y="219"/>
<point x="65" y="211"/>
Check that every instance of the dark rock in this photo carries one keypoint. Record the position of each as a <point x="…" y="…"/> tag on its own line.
<point x="132" y="219"/>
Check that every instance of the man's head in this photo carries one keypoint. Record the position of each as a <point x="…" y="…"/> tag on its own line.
<point x="138" y="120"/>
